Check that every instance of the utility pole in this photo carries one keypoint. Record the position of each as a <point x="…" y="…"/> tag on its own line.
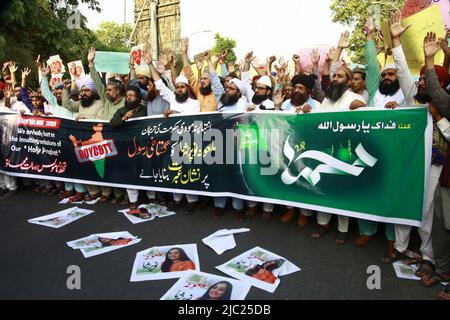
<point x="154" y="29"/>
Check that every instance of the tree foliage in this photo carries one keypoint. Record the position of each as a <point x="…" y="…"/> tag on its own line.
<point x="225" y="44"/>
<point x="114" y="35"/>
<point x="29" y="28"/>
<point x="354" y="13"/>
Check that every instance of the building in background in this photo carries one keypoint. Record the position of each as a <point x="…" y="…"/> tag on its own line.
<point x="165" y="16"/>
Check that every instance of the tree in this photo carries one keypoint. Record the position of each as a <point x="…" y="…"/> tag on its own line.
<point x="114" y="35"/>
<point x="225" y="44"/>
<point x="354" y="13"/>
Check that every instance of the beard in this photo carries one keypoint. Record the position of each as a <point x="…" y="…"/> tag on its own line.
<point x="142" y="86"/>
<point x="205" y="91"/>
<point x="389" y="89"/>
<point x="110" y="99"/>
<point x="86" y="101"/>
<point x="422" y="97"/>
<point x="2" y="95"/>
<point x="298" y="99"/>
<point x="336" y="91"/>
<point x="229" y="100"/>
<point x="182" y="98"/>
<point x="151" y="95"/>
<point x="59" y="101"/>
<point x="130" y="105"/>
<point x="259" y="98"/>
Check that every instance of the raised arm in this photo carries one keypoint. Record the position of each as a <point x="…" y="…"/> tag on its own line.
<point x="373" y="75"/>
<point x="165" y="92"/>
<point x="441" y="99"/>
<point x="404" y="76"/>
<point x="96" y="77"/>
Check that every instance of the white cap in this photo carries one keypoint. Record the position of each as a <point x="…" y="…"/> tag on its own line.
<point x="265" y="80"/>
<point x="182" y="79"/>
<point x="389" y="66"/>
<point x="239" y="84"/>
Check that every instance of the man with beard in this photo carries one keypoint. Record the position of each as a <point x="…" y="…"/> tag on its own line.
<point x="180" y="103"/>
<point x="208" y="89"/>
<point x="133" y="109"/>
<point x="301" y="100"/>
<point x="439" y="151"/>
<point x="112" y="100"/>
<point x="88" y="107"/>
<point x="262" y="97"/>
<point x="339" y="95"/>
<point x="384" y="88"/>
<point x="233" y="100"/>
<point x="441" y="219"/>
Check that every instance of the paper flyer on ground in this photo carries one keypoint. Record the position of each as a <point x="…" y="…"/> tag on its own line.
<point x="260" y="268"/>
<point x="223" y="240"/>
<point x="204" y="286"/>
<point x="165" y="262"/>
<point x="97" y="244"/>
<point x="62" y="218"/>
<point x="405" y="271"/>
<point x="146" y="212"/>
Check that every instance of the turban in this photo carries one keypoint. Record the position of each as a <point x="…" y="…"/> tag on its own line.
<point x="306" y="80"/>
<point x="347" y="71"/>
<point x="441" y="73"/>
<point x="87" y="82"/>
<point x="143" y="72"/>
<point x="239" y="84"/>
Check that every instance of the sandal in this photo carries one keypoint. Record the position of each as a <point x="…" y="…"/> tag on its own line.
<point x="341" y="237"/>
<point x="321" y="231"/>
<point x="445" y="293"/>
<point x="425" y="269"/>
<point x="89" y="197"/>
<point x="434" y="279"/>
<point x="395" y="256"/>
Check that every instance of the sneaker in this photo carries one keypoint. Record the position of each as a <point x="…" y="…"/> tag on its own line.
<point x="251" y="212"/>
<point x="288" y="215"/>
<point x="302" y="221"/>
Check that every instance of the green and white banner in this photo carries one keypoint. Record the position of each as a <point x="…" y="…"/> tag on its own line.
<point x="370" y="164"/>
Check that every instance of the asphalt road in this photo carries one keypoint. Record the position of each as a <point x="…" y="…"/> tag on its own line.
<point x="34" y="259"/>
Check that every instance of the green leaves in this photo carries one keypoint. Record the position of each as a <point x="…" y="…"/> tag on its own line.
<point x="225" y="44"/>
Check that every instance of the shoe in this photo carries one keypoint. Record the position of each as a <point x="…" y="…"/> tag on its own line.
<point x="173" y="206"/>
<point x="38" y="189"/>
<point x="10" y="193"/>
<point x="204" y="203"/>
<point x="218" y="212"/>
<point x="191" y="208"/>
<point x="104" y="199"/>
<point x="92" y="197"/>
<point x="320" y="231"/>
<point x="288" y="215"/>
<point x="66" y="194"/>
<point x="341" y="237"/>
<point x="302" y="221"/>
<point x="266" y="216"/>
<point x="116" y="201"/>
<point x="251" y="212"/>
<point x="55" y="191"/>
<point x="362" y="240"/>
<point x="125" y="202"/>
<point x="240" y="215"/>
